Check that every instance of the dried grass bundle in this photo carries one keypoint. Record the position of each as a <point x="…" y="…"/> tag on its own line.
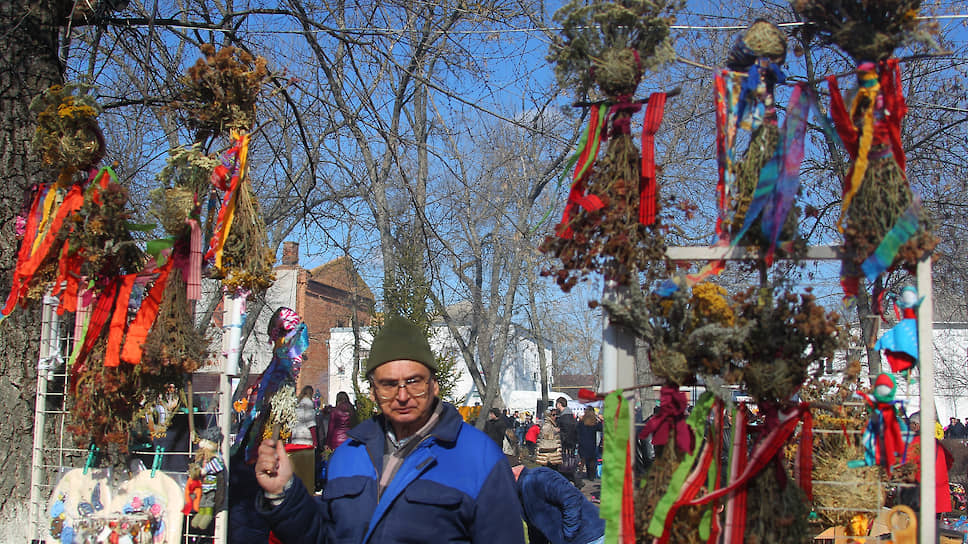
<point x="67" y="136"/>
<point x="247" y="258"/>
<point x="188" y="167"/>
<point x="653" y="485"/>
<point x="611" y="240"/>
<point x="855" y="488"/>
<point x="883" y="197"/>
<point x="594" y="34"/>
<point x="867" y="30"/>
<point x="776" y="512"/>
<point x="173" y="207"/>
<point x="105" y="401"/>
<point x="220" y="91"/>
<point x="174" y="347"/>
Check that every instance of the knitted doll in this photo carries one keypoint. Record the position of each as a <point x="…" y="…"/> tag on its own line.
<point x="210" y="470"/>
<point x="884" y="436"/>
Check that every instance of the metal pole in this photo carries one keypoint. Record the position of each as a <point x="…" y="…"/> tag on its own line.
<point x="233" y="315"/>
<point x="48" y="342"/>
<point x="926" y="362"/>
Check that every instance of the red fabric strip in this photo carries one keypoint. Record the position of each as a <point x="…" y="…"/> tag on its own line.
<point x="628" y="499"/>
<point x="145" y="318"/>
<point x="28" y="261"/>
<point x="763" y="454"/>
<point x="895" y="107"/>
<point x="648" y="190"/>
<point x="102" y="310"/>
<point x="842" y="122"/>
<point x="736" y="504"/>
<point x="112" y="356"/>
<point x="804" y="464"/>
<point x="720" y="100"/>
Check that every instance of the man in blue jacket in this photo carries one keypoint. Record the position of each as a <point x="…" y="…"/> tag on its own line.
<point x="414" y="473"/>
<point x="555" y="510"/>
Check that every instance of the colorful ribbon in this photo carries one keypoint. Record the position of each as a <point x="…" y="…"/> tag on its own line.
<point x="615" y="508"/>
<point x="588" y="146"/>
<point x="671" y="416"/>
<point x="904" y="228"/>
<point x="145" y="318"/>
<point x="649" y="191"/>
<point x="38" y="241"/>
<point x="235" y="163"/>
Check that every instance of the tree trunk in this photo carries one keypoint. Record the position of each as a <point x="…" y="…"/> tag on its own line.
<point x="29" y="65"/>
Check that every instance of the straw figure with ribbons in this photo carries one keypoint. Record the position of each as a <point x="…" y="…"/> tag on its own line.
<point x="612" y="219"/>
<point x="881" y="218"/>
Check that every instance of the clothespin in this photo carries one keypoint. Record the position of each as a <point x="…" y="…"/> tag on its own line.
<point x="91" y="451"/>
<point x="156" y="463"/>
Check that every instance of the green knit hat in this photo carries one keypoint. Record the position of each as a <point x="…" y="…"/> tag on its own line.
<point x="400" y="339"/>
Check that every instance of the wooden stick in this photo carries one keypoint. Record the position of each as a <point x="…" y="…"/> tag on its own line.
<point x="669" y="94"/>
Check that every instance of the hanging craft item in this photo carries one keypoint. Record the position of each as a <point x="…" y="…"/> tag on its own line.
<point x="745" y="101"/>
<point x="239" y="252"/>
<point x="612" y="220"/>
<point x="155" y="499"/>
<point x="290" y="338"/>
<point x="67" y="138"/>
<point x="882" y="221"/>
<point x="900" y="343"/>
<point x="220" y="91"/>
<point x="78" y="499"/>
<point x="883" y="437"/>
<point x="617" y="481"/>
<point x="688" y="331"/>
<point x="206" y="486"/>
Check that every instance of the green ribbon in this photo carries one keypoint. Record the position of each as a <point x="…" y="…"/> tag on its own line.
<point x="697" y="421"/>
<point x="155" y="247"/>
<point x="616" y="430"/>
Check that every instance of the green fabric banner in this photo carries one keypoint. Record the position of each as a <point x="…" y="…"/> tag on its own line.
<point x="616" y="431"/>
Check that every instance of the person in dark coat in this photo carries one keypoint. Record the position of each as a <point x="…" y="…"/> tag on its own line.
<point x="555" y="511"/>
<point x="413" y="473"/>
<point x="588" y="428"/>
<point x="495" y="427"/>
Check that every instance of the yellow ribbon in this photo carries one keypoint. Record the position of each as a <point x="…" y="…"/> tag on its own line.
<point x="869" y="88"/>
<point x="243" y="139"/>
<point x="51" y="201"/>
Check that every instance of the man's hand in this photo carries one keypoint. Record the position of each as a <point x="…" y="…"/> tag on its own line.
<point x="273" y="469"/>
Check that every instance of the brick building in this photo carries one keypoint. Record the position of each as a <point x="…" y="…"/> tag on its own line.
<point x="326" y="297"/>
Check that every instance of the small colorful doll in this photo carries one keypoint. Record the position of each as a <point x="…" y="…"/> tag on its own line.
<point x="900" y="343"/>
<point x="884" y="436"/>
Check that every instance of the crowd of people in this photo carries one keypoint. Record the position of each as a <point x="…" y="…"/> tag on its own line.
<point x="417" y="472"/>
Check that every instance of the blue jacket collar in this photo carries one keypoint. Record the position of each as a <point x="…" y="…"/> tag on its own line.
<point x="370" y="432"/>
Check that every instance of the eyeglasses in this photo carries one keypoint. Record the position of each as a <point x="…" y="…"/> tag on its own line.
<point x="416" y="387"/>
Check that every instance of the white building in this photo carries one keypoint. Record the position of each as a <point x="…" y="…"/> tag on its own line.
<point x="520" y="370"/>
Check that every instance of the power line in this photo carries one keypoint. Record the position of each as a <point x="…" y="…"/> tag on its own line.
<point x="370" y="31"/>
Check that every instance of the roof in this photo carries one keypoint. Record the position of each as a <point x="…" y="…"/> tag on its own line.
<point x="331" y="272"/>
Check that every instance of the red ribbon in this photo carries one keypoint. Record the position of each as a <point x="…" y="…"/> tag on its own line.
<point x="577" y="196"/>
<point x="99" y="316"/>
<point x="112" y="356"/>
<point x="145" y="318"/>
<point x="671" y="415"/>
<point x="803" y="468"/>
<point x="720" y="100"/>
<point x="29" y="261"/>
<point x="648" y="194"/>
<point x="628" y="499"/>
<point x="736" y="504"/>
